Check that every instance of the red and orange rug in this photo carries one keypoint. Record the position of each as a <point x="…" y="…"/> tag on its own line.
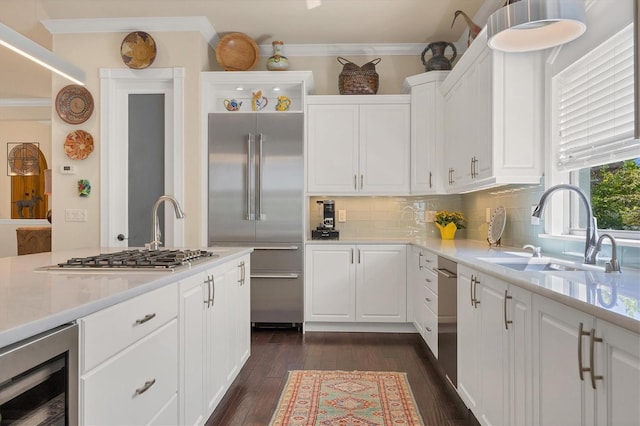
<point x="362" y="398"/>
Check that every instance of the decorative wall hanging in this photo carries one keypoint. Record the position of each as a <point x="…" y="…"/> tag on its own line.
<point x="23" y="159"/>
<point x="74" y="104"/>
<point x="138" y="50"/>
<point x="78" y="145"/>
<point x="84" y="188"/>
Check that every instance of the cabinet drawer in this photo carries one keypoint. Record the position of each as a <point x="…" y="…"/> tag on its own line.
<point x="431" y="330"/>
<point x="430" y="300"/>
<point x="428" y="260"/>
<point x="113" y="393"/>
<point x="429" y="278"/>
<point x="107" y="332"/>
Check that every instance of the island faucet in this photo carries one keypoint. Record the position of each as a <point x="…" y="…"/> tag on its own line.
<point x="535" y="251"/>
<point x="612" y="265"/>
<point x="155" y="227"/>
<point x="591" y="236"/>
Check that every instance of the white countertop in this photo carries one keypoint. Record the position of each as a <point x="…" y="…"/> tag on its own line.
<point x="609" y="296"/>
<point x="32" y="302"/>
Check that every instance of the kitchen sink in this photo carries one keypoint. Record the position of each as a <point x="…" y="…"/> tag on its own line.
<point x="539" y="264"/>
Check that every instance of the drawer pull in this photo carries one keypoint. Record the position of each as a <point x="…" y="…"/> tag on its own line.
<point x="427" y="299"/>
<point x="146" y="318"/>
<point x="145" y="387"/>
<point x="428" y="329"/>
<point x="427" y="280"/>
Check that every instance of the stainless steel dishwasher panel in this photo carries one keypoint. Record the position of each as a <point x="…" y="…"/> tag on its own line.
<point x="448" y="318"/>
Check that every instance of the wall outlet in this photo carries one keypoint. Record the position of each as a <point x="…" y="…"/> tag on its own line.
<point x="342" y="215"/>
<point x="534" y="220"/>
<point x="430" y="216"/>
<point x="75" y="215"/>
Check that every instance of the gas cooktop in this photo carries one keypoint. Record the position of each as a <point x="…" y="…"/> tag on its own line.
<point x="136" y="259"/>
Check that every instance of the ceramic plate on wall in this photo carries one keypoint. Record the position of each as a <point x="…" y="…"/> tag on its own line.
<point x="74" y="104"/>
<point x="78" y="145"/>
<point x="496" y="225"/>
<point x="138" y="50"/>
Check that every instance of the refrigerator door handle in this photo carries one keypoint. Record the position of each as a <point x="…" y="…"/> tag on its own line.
<point x="276" y="248"/>
<point x="259" y="215"/>
<point x="249" y="215"/>
<point x="285" y="276"/>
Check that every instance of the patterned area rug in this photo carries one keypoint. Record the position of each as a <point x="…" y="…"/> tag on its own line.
<point x="346" y="398"/>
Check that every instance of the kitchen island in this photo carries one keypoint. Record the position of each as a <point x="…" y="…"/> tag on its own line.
<point x="162" y="345"/>
<point x="33" y="301"/>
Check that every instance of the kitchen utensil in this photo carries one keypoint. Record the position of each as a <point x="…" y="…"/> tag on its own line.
<point x="74" y="104"/>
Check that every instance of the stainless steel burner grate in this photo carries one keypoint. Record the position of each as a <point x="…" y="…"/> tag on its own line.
<point x="157" y="259"/>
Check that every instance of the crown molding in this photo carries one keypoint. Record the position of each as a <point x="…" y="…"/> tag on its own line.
<point x="25" y="102"/>
<point x="125" y="25"/>
<point x="202" y="25"/>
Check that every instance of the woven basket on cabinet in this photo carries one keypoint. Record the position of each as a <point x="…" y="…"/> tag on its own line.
<point x="355" y="80"/>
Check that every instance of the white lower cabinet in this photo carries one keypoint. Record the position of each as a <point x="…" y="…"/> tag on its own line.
<point x="423" y="298"/>
<point x="131" y="376"/>
<point x="494" y="361"/>
<point x="355" y="283"/>
<point x="574" y="384"/>
<point x="215" y="336"/>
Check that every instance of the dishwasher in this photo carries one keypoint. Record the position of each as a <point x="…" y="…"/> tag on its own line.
<point x="448" y="318"/>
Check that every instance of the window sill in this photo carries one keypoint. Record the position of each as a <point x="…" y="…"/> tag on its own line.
<point x="624" y="242"/>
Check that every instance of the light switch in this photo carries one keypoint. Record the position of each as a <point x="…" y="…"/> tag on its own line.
<point x="342" y="215"/>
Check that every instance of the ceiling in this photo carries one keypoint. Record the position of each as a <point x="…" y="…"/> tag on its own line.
<point x="293" y="21"/>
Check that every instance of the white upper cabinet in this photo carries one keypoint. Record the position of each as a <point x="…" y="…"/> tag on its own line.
<point x="493" y="108"/>
<point x="427" y="131"/>
<point x="358" y="145"/>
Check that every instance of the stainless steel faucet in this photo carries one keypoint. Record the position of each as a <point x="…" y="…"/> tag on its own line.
<point x="612" y="265"/>
<point x="536" y="251"/>
<point x="155" y="227"/>
<point x="591" y="237"/>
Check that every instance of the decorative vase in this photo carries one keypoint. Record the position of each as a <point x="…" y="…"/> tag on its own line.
<point x="277" y="62"/>
<point x="447" y="232"/>
<point x="438" y="61"/>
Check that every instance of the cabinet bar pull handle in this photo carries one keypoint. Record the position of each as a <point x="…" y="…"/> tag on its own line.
<point x="358" y="256"/>
<point x="146" y="318"/>
<point x="352" y="256"/>
<point x="471" y="282"/>
<point x="592" y="343"/>
<point x="581" y="333"/>
<point x="355" y="182"/>
<point x="475" y="293"/>
<point x="427" y="299"/>
<point x="361" y="181"/>
<point x="420" y="255"/>
<point x="472" y="174"/>
<point x="506" y="321"/>
<point x="430" y="181"/>
<point x="428" y="329"/>
<point x="145" y="387"/>
<point x="427" y="280"/>
<point x="213" y="290"/>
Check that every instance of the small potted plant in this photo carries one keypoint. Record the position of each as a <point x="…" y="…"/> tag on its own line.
<point x="448" y="223"/>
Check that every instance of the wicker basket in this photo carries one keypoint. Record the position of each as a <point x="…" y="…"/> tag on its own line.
<point x="355" y="80"/>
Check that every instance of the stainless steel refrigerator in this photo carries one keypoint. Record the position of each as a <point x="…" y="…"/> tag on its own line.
<point x="256" y="175"/>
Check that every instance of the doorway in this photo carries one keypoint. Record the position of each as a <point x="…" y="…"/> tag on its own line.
<point x="122" y="92"/>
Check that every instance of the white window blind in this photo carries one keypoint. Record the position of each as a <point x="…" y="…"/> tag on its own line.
<point x="596" y="106"/>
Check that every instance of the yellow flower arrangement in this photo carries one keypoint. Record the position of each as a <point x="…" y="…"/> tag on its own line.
<point x="457" y="218"/>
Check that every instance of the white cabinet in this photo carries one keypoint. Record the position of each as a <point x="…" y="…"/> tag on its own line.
<point x="423" y="298"/>
<point x="358" y="145"/>
<point x="493" y="103"/>
<point x="572" y="383"/>
<point x="494" y="361"/>
<point x="361" y="283"/>
<point x="215" y="336"/>
<point x="129" y="360"/>
<point x="427" y="131"/>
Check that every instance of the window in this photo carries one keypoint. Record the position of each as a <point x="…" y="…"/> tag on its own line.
<point x="596" y="145"/>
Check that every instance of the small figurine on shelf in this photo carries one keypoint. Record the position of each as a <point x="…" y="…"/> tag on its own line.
<point x="258" y="101"/>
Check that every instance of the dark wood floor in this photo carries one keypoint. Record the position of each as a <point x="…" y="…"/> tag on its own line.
<point x="253" y="396"/>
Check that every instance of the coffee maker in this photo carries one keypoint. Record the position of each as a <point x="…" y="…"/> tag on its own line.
<point x="326" y="229"/>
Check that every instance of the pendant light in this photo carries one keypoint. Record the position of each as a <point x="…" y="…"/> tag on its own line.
<point x="528" y="25"/>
